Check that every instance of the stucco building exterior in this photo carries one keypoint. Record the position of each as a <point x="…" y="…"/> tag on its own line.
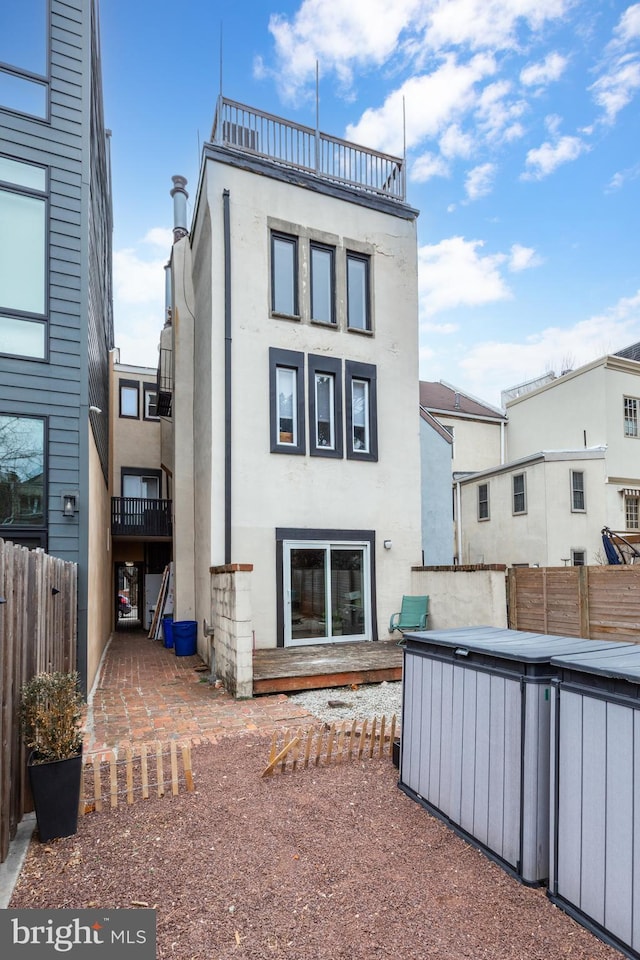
<point x="294" y="364"/>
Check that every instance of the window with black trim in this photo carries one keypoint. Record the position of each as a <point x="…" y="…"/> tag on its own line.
<point x="150" y="402"/>
<point x="483" y="501"/>
<point x="286" y="401"/>
<point x="325" y="406"/>
<point x="22" y="474"/>
<point x="519" y="493"/>
<point x="358" y="294"/>
<point x="578" y="503"/>
<point x="23" y="259"/>
<point x="361" y="407"/>
<point x="24" y="70"/>
<point x="284" y="274"/>
<point x="323" y="309"/>
<point x="578" y="558"/>
<point x="130" y="399"/>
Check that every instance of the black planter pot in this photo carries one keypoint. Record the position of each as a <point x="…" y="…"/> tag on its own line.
<point x="395" y="752"/>
<point x="55" y="787"/>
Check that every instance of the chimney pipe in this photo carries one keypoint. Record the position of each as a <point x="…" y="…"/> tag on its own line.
<point x="180" y="197"/>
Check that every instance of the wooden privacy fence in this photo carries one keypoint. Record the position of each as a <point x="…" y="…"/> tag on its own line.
<point x="38" y="631"/>
<point x="111" y="778"/>
<point x="357" y="739"/>
<point x="597" y="603"/>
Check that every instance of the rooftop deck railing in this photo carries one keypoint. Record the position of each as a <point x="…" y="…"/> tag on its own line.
<point x="304" y="148"/>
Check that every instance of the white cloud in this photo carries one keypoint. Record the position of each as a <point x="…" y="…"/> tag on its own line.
<point x="616" y="88"/>
<point x="453" y="273"/>
<point x="442" y="329"/>
<point x="426" y="166"/>
<point x="492" y="366"/>
<point x="498" y="113"/>
<point x="545" y="72"/>
<point x="488" y="23"/>
<point x="432" y="102"/>
<point x="543" y="160"/>
<point x="138" y="285"/>
<point x="620" y="80"/>
<point x="523" y="258"/>
<point x="479" y="181"/>
<point x="454" y="142"/>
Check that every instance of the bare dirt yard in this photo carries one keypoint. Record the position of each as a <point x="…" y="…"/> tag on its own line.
<point x="321" y="864"/>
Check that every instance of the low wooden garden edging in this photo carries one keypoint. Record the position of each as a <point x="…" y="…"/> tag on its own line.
<point x="357" y="739"/>
<point x="111" y="777"/>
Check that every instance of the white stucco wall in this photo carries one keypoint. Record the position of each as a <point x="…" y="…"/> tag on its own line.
<point x="476" y="444"/>
<point x="280" y="490"/>
<point x="549" y="530"/>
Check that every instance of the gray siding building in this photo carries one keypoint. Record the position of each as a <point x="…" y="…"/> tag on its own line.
<point x="56" y="325"/>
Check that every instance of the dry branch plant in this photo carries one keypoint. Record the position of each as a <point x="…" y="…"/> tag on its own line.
<point x="51" y="712"/>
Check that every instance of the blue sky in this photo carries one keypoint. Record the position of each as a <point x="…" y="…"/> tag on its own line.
<point x="523" y="156"/>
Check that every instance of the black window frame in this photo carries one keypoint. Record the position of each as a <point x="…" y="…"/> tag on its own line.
<point x="355" y="370"/>
<point x="333" y="367"/>
<point x="19" y="533"/>
<point x="325" y="248"/>
<point x="483" y="502"/>
<point x="293" y="240"/>
<point x="149" y="388"/>
<point x="288" y="360"/>
<point x="141" y="472"/>
<point x="130" y="384"/>
<point x="353" y="255"/>
<point x="578" y="552"/>
<point x="520" y="493"/>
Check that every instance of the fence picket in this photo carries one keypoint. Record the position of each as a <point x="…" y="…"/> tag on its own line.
<point x="340" y="745"/>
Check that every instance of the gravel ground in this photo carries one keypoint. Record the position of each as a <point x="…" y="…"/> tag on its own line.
<point x="348" y="703"/>
<point x="329" y="863"/>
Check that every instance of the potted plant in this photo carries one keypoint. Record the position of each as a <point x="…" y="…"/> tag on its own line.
<point x="51" y="712"/>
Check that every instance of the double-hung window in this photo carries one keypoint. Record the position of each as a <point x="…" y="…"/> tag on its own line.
<point x="23" y="272"/>
<point x="325" y="406"/>
<point x="578" y="503"/>
<point x="631" y="417"/>
<point x="358" y="293"/>
<point x="483" y="501"/>
<point x="361" y="403"/>
<point x="150" y="402"/>
<point x="286" y="394"/>
<point x="322" y="283"/>
<point x="632" y="512"/>
<point x="284" y="274"/>
<point x="519" y="493"/>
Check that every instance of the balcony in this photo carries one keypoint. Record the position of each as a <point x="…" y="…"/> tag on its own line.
<point x="135" y="517"/>
<point x="294" y="145"/>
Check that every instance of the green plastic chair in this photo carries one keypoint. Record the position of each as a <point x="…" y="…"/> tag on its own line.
<point x="413" y="615"/>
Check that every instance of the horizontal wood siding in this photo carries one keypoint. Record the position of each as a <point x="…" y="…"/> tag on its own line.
<point x="598" y="603"/>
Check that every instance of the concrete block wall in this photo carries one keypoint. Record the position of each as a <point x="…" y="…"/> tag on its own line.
<point x="233" y="627"/>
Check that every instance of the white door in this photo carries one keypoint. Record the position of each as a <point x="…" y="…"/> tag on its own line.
<point x="326" y="592"/>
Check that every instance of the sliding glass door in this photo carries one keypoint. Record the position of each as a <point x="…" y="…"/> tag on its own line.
<point x="326" y="592"/>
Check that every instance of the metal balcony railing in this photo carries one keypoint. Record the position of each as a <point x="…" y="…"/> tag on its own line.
<point x="295" y="145"/>
<point x="137" y="517"/>
<point x="164" y="383"/>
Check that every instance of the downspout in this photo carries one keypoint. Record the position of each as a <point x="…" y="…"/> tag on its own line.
<point x="227" y="375"/>
<point x="502" y="439"/>
<point x="459" y="523"/>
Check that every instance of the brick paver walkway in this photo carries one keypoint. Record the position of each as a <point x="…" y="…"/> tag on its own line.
<point x="145" y="692"/>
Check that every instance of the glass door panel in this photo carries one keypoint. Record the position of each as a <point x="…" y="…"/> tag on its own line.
<point x="347" y="602"/>
<point x="308" y="594"/>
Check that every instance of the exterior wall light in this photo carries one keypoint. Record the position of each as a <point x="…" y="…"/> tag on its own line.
<point x="69" y="504"/>
<point x="387" y="544"/>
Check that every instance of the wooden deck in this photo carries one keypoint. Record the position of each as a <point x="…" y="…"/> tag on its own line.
<point x="289" y="669"/>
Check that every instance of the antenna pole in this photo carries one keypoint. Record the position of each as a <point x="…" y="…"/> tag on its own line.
<point x="317" y="118"/>
<point x="404" y="149"/>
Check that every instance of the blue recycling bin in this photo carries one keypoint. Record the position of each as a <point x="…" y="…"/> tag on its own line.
<point x="167" y="630"/>
<point x="185" y="637"/>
